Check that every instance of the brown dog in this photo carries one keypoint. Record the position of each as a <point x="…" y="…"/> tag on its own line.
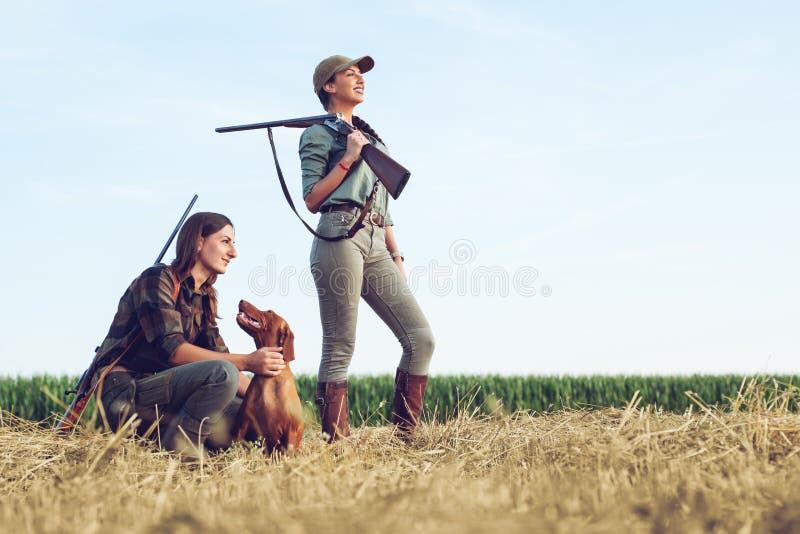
<point x="271" y="408"/>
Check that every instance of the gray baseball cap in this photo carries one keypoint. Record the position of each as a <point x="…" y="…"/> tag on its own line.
<point x="330" y="66"/>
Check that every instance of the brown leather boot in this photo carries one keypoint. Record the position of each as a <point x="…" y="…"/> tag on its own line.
<point x="331" y="400"/>
<point x="409" y="392"/>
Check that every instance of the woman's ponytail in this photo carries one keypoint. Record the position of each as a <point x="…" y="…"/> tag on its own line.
<point x="362" y="125"/>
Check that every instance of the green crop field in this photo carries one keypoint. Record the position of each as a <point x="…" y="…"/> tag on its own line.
<point x="37" y="398"/>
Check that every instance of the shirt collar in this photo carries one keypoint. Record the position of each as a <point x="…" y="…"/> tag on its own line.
<point x="188" y="281"/>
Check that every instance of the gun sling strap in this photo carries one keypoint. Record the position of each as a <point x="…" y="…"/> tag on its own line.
<point x="353" y="229"/>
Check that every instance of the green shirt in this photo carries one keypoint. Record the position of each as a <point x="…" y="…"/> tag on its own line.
<point x="321" y="149"/>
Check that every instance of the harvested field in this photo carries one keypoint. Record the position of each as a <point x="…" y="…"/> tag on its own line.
<point x="634" y="469"/>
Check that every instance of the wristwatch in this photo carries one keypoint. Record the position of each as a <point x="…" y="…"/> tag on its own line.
<point x="398" y="254"/>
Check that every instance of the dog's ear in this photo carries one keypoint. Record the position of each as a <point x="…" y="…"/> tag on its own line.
<point x="287" y="342"/>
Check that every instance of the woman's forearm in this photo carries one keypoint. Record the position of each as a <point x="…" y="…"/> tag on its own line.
<point x="327" y="185"/>
<point x="266" y="361"/>
<point x="188" y="353"/>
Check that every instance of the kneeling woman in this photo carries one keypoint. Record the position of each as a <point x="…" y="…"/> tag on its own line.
<point x="175" y="367"/>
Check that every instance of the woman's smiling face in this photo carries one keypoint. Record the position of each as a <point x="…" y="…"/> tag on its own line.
<point x="347" y="86"/>
<point x="216" y="251"/>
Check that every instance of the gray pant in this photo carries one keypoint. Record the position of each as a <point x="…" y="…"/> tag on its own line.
<point x="202" y="394"/>
<point x="347" y="270"/>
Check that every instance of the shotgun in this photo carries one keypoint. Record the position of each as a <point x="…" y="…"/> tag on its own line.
<point x="391" y="174"/>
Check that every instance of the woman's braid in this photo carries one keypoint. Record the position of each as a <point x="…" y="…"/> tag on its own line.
<point x="362" y="125"/>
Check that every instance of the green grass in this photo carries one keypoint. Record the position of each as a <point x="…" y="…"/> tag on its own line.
<point x="26" y="397"/>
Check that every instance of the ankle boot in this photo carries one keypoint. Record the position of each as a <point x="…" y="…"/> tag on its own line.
<point x="409" y="392"/>
<point x="331" y="400"/>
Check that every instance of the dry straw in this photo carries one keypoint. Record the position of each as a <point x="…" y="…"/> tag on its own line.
<point x="603" y="470"/>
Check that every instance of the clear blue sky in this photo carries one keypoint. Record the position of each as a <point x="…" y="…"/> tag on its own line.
<point x="641" y="158"/>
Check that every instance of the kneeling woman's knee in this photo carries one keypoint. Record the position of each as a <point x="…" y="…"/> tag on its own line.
<point x="224" y="374"/>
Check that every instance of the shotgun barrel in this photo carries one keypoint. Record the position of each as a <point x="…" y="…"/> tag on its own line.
<point x="302" y="122"/>
<point x="391" y="174"/>
<point x="175" y="231"/>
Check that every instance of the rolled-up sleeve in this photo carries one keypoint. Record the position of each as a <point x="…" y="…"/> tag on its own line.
<point x="315" y="144"/>
<point x="155" y="310"/>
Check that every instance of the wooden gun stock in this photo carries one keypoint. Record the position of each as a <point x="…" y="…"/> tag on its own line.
<point x="392" y="175"/>
<point x="82" y="395"/>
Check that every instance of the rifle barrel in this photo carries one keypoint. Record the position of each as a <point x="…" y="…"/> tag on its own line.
<point x="175" y="231"/>
<point x="302" y="122"/>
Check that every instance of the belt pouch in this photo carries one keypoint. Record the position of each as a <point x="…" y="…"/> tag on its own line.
<point x="154" y="390"/>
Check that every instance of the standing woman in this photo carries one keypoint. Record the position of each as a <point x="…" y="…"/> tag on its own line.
<point x="336" y="183"/>
<point x="175" y="367"/>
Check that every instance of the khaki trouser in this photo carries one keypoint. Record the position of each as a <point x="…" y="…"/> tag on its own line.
<point x="346" y="271"/>
<point x="199" y="397"/>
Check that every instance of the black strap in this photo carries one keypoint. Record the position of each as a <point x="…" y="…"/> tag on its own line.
<point x="353" y="229"/>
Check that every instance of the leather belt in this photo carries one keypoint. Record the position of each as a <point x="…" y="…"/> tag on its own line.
<point x="372" y="217"/>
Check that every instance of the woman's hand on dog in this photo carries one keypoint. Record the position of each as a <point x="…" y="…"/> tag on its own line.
<point x="266" y="361"/>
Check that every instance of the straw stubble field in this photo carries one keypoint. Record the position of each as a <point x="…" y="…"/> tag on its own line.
<point x="605" y="470"/>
